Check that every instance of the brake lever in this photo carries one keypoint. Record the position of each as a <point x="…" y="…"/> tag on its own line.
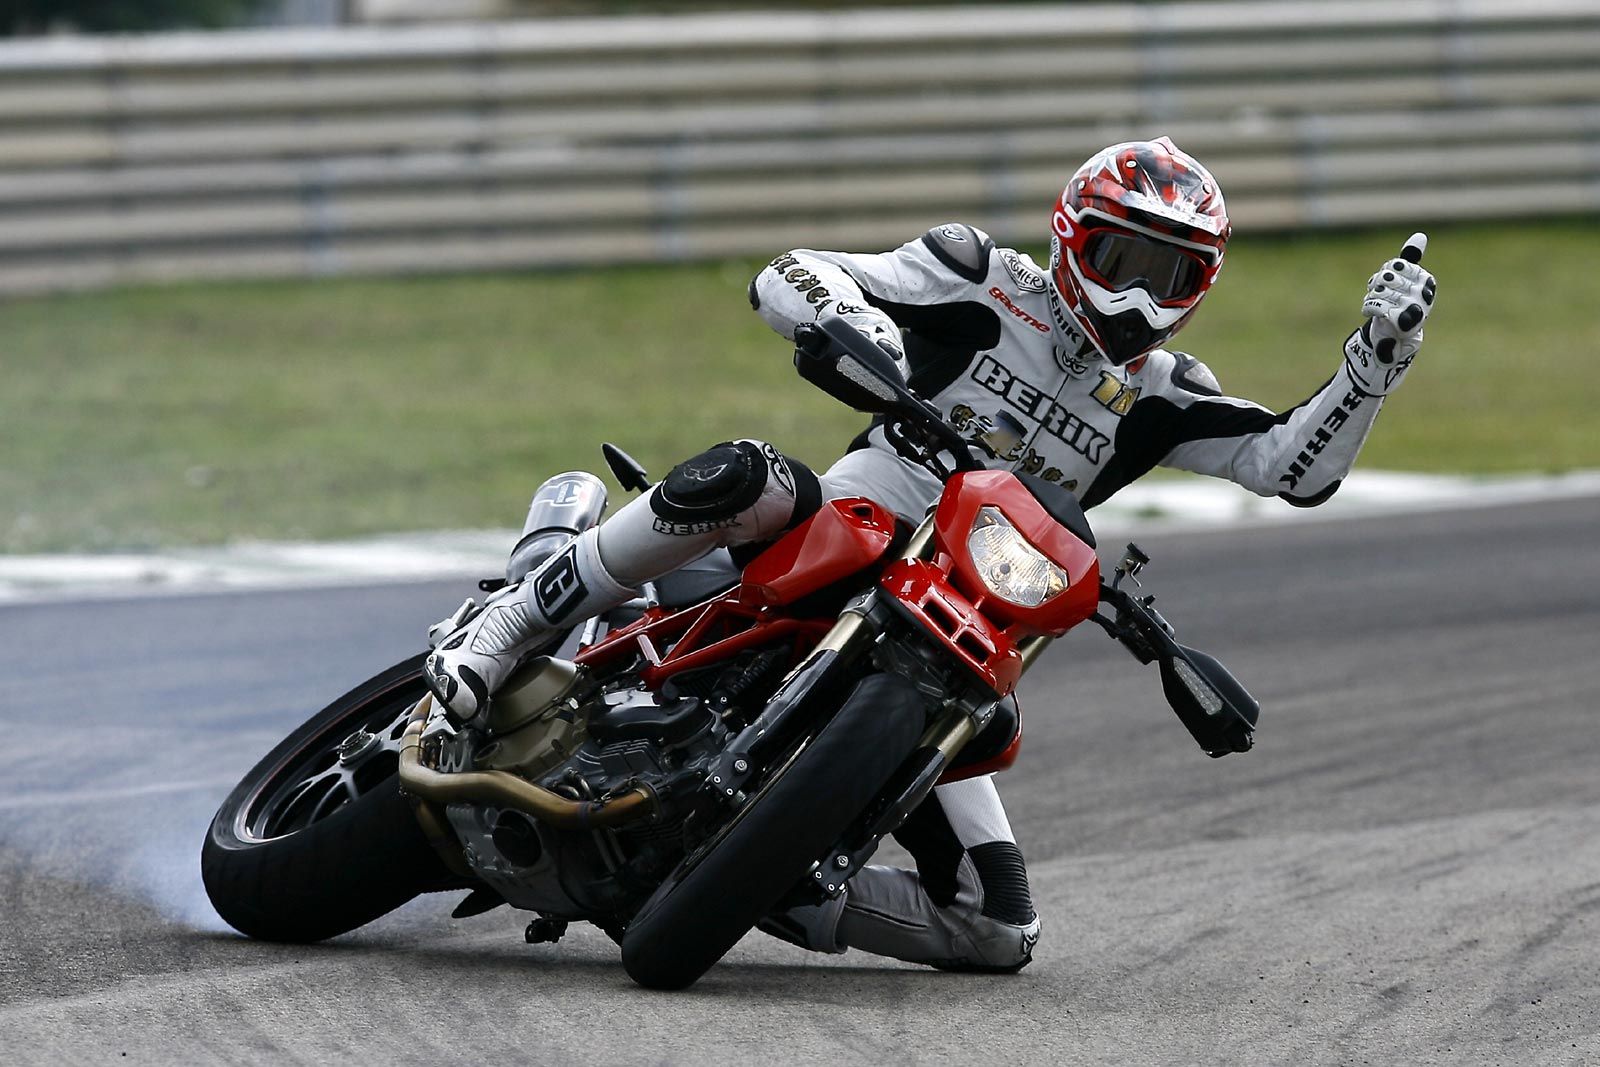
<point x="1138" y="626"/>
<point x="1125" y="628"/>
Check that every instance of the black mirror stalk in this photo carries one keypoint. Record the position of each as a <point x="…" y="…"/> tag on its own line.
<point x="627" y="470"/>
<point x="1211" y="703"/>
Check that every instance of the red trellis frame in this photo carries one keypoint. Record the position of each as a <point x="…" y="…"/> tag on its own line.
<point x="701" y="636"/>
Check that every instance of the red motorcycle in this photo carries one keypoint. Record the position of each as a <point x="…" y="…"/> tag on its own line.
<point x="732" y="742"/>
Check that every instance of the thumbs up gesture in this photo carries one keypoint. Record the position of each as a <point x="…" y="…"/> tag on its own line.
<point x="1399" y="297"/>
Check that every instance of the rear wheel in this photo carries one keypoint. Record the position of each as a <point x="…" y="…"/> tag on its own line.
<point x="317" y="840"/>
<point x="716" y="896"/>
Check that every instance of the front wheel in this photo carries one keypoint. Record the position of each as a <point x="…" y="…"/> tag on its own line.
<point x="317" y="840"/>
<point x="712" y="901"/>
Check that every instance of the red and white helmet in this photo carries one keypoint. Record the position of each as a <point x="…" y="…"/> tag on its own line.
<point x="1137" y="239"/>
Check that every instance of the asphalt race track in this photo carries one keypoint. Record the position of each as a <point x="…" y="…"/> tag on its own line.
<point x="1405" y="870"/>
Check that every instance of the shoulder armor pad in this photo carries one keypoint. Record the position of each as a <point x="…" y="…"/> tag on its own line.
<point x="1193" y="376"/>
<point x="963" y="249"/>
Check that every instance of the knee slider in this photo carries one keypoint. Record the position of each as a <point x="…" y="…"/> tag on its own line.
<point x="735" y="484"/>
<point x="712" y="487"/>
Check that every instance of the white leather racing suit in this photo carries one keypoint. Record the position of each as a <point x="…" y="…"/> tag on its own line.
<point x="983" y="333"/>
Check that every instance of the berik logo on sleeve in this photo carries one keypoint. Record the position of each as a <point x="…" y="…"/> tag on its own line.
<point x="559" y="588"/>
<point x="1320" y="439"/>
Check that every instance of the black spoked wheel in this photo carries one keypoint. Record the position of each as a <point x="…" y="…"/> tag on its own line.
<point x="317" y="840"/>
<point x="717" y="895"/>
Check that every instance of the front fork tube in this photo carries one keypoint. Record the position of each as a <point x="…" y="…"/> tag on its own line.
<point x="949" y="734"/>
<point x="909" y="787"/>
<point x="818" y="675"/>
<point x="941" y="743"/>
<point x="857" y="628"/>
<point x="1032" y="648"/>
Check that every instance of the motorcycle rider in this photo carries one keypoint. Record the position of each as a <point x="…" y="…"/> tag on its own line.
<point x="1074" y="354"/>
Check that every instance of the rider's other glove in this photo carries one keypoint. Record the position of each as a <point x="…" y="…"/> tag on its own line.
<point x="1399" y="297"/>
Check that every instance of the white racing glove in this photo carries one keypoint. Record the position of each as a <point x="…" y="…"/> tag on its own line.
<point x="879" y="327"/>
<point x="1399" y="297"/>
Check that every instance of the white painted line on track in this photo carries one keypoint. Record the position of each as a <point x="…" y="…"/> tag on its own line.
<point x="1153" y="506"/>
<point x="1198" y="503"/>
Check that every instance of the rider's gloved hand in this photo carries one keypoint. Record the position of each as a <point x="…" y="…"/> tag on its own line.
<point x="1399" y="297"/>
<point x="880" y="328"/>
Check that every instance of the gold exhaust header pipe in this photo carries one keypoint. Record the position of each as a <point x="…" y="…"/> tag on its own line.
<point x="505" y="790"/>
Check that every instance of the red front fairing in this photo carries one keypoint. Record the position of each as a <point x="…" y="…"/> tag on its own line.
<point x="967" y="493"/>
<point x="924" y="592"/>
<point x="949" y="600"/>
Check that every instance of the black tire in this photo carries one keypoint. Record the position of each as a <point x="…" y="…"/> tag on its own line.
<point x="713" y="899"/>
<point x="305" y="847"/>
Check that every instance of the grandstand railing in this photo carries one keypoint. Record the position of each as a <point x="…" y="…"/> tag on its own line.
<point x="580" y="141"/>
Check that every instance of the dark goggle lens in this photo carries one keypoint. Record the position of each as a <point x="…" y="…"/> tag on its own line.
<point x="1122" y="261"/>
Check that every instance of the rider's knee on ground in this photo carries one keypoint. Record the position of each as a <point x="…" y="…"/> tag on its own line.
<point x="890" y="912"/>
<point x="966" y="907"/>
<point x="997" y="930"/>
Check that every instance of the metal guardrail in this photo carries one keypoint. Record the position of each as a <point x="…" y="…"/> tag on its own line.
<point x="651" y="139"/>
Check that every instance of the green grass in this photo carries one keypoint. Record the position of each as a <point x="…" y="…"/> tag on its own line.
<point x="208" y="412"/>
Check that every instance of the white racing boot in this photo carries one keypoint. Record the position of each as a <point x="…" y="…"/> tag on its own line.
<point x="474" y="659"/>
<point x="732" y="493"/>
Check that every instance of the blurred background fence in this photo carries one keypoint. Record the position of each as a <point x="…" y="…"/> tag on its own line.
<point x="575" y="141"/>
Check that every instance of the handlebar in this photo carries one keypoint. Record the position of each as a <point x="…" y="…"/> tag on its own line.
<point x="850" y="367"/>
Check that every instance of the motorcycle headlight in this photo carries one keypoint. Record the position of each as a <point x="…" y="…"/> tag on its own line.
<point x="1009" y="566"/>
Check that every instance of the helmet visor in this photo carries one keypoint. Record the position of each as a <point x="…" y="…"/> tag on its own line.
<point x="1121" y="261"/>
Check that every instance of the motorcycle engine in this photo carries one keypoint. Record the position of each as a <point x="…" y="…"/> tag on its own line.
<point x="587" y="741"/>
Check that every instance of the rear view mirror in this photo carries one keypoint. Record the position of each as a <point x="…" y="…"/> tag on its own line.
<point x="1210" y="702"/>
<point x="839" y="360"/>
<point x="1217" y="710"/>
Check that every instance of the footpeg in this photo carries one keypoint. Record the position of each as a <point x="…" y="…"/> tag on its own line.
<point x="445" y="627"/>
<point x="545" y="931"/>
